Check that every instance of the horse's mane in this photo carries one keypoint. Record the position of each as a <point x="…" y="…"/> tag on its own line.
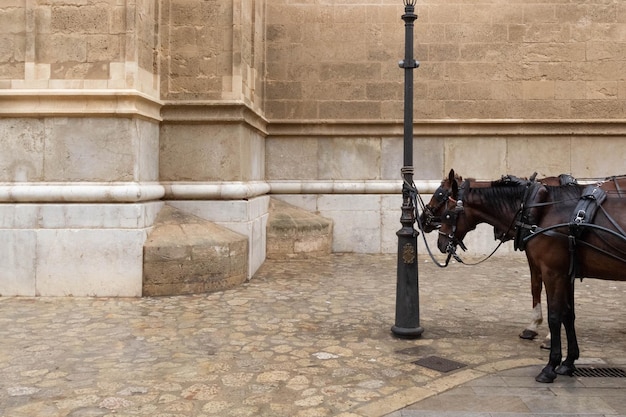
<point x="505" y="195"/>
<point x="565" y="193"/>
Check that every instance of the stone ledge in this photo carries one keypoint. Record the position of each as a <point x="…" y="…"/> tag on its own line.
<point x="41" y="102"/>
<point x="185" y="254"/>
<point x="446" y="127"/>
<point x="296" y="233"/>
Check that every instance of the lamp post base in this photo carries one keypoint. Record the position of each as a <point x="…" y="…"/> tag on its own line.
<point x="407" y="333"/>
<point x="407" y="324"/>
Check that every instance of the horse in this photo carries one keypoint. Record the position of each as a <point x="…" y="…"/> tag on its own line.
<point x="429" y="221"/>
<point x="557" y="247"/>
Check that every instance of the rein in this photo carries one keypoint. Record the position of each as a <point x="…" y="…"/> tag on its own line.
<point x="551" y="231"/>
<point x="415" y="196"/>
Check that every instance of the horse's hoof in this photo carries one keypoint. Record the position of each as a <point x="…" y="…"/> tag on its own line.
<point x="546" y="376"/>
<point x="528" y="334"/>
<point x="565" y="369"/>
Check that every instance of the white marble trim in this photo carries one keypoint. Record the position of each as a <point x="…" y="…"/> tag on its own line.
<point x="243" y="190"/>
<point x="80" y="192"/>
<point x="348" y="187"/>
<point x="135" y="192"/>
<point x="236" y="190"/>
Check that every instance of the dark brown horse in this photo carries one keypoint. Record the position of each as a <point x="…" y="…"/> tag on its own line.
<point x="430" y="220"/>
<point x="558" y="246"/>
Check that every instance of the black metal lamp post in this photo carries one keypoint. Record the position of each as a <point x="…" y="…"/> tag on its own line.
<point x="407" y="324"/>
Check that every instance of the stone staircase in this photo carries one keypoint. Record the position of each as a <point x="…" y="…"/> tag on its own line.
<point x="296" y="233"/>
<point x="185" y="254"/>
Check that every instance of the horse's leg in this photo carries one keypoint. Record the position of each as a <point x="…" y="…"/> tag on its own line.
<point x="555" y="297"/>
<point x="536" y="285"/>
<point x="568" y="367"/>
<point x="547" y="342"/>
<point x="548" y="373"/>
<point x="530" y="332"/>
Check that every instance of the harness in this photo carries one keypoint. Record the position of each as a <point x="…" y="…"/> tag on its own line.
<point x="534" y="199"/>
<point x="582" y="217"/>
<point x="584" y="213"/>
<point x="535" y="195"/>
<point x="528" y="216"/>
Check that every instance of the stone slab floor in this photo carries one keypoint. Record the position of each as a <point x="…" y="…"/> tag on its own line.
<point x="303" y="338"/>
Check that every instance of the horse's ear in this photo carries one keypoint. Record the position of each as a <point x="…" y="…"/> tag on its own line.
<point x="451" y="176"/>
<point x="455" y="189"/>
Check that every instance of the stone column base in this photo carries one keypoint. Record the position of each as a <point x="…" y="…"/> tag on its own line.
<point x="76" y="249"/>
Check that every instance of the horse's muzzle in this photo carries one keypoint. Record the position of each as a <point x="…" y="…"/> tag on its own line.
<point x="449" y="244"/>
<point x="444" y="242"/>
<point x="427" y="222"/>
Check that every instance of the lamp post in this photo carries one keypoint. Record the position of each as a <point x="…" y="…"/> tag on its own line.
<point x="407" y="324"/>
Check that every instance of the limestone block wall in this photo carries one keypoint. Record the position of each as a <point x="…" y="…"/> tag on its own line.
<point x="492" y="60"/>
<point x="79" y="45"/>
<point x="502" y="87"/>
<point x="213" y="51"/>
<point x="351" y="173"/>
<point x="212" y="153"/>
<point x="212" y="164"/>
<point x="77" y="198"/>
<point x="79" y="125"/>
<point x="198" y="147"/>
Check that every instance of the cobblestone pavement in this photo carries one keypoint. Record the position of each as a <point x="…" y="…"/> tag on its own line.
<point x="303" y="338"/>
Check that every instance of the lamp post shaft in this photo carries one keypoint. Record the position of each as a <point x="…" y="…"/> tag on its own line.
<point x="409" y="64"/>
<point x="407" y="323"/>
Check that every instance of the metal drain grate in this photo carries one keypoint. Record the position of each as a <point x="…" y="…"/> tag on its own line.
<point x="600" y="372"/>
<point x="439" y="364"/>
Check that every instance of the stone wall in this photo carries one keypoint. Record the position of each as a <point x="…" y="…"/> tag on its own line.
<point x="492" y="60"/>
<point x="506" y="86"/>
<point x="212" y="153"/>
<point x="79" y="129"/>
<point x="213" y="50"/>
<point x="73" y="44"/>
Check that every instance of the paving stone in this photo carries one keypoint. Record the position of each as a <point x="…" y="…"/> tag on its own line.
<point x="304" y="337"/>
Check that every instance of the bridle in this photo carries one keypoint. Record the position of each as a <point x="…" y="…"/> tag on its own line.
<point x="450" y="217"/>
<point x="430" y="221"/>
<point x="441" y="196"/>
<point x="453" y="209"/>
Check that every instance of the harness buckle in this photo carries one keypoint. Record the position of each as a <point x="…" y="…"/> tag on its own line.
<point x="580" y="216"/>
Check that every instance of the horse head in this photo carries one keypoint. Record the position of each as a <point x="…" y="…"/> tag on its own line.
<point x="452" y="229"/>
<point x="499" y="203"/>
<point x="430" y="219"/>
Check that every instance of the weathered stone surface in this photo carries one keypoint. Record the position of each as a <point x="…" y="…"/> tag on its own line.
<point x="294" y="232"/>
<point x="307" y="337"/>
<point x="186" y="255"/>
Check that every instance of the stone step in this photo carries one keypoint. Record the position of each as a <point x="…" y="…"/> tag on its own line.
<point x="296" y="233"/>
<point x="185" y="254"/>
